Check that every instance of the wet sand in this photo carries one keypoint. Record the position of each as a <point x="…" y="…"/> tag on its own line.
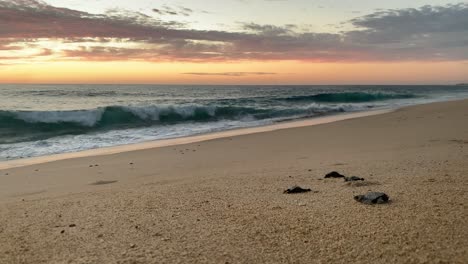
<point x="222" y="201"/>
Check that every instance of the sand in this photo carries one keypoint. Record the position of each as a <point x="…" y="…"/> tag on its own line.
<point x="222" y="201"/>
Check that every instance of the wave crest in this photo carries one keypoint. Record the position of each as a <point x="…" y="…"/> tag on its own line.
<point x="18" y="126"/>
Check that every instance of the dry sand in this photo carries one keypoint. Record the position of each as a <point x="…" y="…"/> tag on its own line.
<point x="222" y="201"/>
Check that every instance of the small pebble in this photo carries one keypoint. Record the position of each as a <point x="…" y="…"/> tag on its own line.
<point x="372" y="198"/>
<point x="353" y="178"/>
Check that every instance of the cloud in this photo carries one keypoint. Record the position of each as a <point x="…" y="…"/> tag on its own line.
<point x="34" y="19"/>
<point x="427" y="33"/>
<point x="439" y="32"/>
<point x="229" y="74"/>
<point x="167" y="10"/>
<point x="397" y="25"/>
<point x="269" y="30"/>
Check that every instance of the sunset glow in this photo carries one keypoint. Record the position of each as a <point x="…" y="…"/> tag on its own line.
<point x="86" y="42"/>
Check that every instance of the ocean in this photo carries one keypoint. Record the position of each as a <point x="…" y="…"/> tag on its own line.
<point x="38" y="120"/>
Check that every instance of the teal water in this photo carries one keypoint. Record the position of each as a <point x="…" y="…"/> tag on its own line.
<point x="40" y="120"/>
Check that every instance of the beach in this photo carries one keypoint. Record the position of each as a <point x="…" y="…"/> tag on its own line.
<point x="222" y="200"/>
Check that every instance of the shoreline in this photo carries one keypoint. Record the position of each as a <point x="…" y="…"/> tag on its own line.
<point x="9" y="164"/>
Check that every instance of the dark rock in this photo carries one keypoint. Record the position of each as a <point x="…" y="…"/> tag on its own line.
<point x="71" y="225"/>
<point x="296" y="189"/>
<point x="353" y="178"/>
<point x="372" y="198"/>
<point x="334" y="174"/>
<point x="63" y="231"/>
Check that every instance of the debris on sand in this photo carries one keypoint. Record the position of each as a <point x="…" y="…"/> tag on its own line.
<point x="372" y="198"/>
<point x="353" y="178"/>
<point x="361" y="183"/>
<point x="102" y="182"/>
<point x="296" y="189"/>
<point x="334" y="174"/>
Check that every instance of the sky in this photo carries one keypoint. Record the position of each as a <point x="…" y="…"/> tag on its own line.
<point x="234" y="41"/>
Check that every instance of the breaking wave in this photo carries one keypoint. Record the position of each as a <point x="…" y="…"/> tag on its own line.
<point x="18" y="126"/>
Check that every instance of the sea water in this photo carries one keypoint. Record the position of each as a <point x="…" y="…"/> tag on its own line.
<point x="37" y="120"/>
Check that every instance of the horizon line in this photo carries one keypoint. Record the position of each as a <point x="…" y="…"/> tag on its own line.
<point x="275" y="84"/>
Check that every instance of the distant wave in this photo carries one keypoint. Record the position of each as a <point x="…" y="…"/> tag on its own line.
<point x="61" y="93"/>
<point x="18" y="126"/>
<point x="353" y="97"/>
